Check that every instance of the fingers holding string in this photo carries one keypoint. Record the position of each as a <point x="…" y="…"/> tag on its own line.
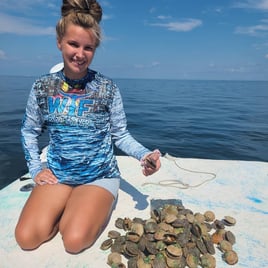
<point x="151" y="162"/>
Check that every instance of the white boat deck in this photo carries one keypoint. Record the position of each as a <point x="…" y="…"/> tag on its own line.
<point x="239" y="190"/>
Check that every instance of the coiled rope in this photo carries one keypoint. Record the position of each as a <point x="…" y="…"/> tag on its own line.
<point x="177" y="183"/>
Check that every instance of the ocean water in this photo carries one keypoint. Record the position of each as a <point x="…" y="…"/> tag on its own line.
<point x="185" y="118"/>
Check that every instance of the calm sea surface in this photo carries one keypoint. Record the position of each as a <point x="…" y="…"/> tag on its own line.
<point x="192" y="119"/>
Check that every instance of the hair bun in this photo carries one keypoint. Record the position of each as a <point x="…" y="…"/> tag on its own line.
<point x="95" y="9"/>
<point x="90" y="7"/>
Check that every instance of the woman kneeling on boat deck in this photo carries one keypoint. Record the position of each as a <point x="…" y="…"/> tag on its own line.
<point x="83" y="112"/>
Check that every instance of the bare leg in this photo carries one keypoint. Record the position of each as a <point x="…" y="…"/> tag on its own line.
<point x="39" y="218"/>
<point x="85" y="214"/>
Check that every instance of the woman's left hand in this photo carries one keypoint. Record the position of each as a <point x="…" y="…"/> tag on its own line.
<point x="151" y="163"/>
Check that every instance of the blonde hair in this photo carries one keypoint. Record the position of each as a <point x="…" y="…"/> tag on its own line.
<point x="84" y="13"/>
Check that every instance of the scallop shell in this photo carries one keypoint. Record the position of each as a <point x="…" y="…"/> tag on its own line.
<point x="106" y="244"/>
<point x="174" y="250"/>
<point x="229" y="236"/>
<point x="114" y="258"/>
<point x="229" y="221"/>
<point x="209" y="216"/>
<point x="137" y="228"/>
<point x="192" y="261"/>
<point x="113" y="234"/>
<point x="208" y="261"/>
<point x="230" y="257"/>
<point x="224" y="245"/>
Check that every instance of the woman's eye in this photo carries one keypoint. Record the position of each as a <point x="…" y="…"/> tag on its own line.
<point x="73" y="44"/>
<point x="89" y="48"/>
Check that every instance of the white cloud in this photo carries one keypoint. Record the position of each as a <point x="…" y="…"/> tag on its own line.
<point x="212" y="65"/>
<point x="26" y="6"/>
<point x="162" y="17"/>
<point x="260" y="46"/>
<point x="253" y="4"/>
<point x="152" y="10"/>
<point x="147" y="66"/>
<point x="155" y="63"/>
<point x="235" y="69"/>
<point x="2" y="55"/>
<point x="218" y="10"/>
<point x="106" y="38"/>
<point x="22" y="26"/>
<point x="255" y="30"/>
<point x="263" y="4"/>
<point x="180" y="26"/>
<point x="105" y="4"/>
<point x="266" y="56"/>
<point x="107" y="17"/>
<point x="139" y="66"/>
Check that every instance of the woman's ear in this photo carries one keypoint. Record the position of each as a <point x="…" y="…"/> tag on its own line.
<point x="59" y="43"/>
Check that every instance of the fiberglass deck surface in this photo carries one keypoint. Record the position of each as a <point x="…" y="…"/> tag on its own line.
<point x="239" y="190"/>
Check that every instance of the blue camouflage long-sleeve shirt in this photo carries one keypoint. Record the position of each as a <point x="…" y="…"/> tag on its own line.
<point x="83" y="124"/>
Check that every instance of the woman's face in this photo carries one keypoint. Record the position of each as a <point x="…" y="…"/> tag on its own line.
<point x="78" y="48"/>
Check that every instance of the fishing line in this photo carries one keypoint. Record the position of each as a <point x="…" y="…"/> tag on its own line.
<point x="177" y="183"/>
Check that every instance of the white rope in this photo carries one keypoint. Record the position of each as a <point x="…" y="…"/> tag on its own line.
<point x="176" y="183"/>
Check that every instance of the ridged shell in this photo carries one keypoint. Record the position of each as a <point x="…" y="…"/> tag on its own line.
<point x="229" y="221"/>
<point x="225" y="246"/>
<point x="137" y="228"/>
<point x="209" y="216"/>
<point x="174" y="250"/>
<point x="106" y="244"/>
<point x="230" y="257"/>
<point x="114" y="258"/>
<point x="229" y="236"/>
<point x="159" y="261"/>
<point x="208" y="261"/>
<point x="192" y="261"/>
<point x="113" y="234"/>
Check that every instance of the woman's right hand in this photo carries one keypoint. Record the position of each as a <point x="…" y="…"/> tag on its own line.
<point x="45" y="177"/>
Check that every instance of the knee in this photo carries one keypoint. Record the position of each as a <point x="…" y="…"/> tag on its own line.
<point x="29" y="237"/>
<point x="25" y="238"/>
<point x="75" y="242"/>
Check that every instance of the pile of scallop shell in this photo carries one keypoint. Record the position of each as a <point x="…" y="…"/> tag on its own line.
<point x="173" y="237"/>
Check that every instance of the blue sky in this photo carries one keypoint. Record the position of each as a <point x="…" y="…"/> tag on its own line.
<point x="167" y="39"/>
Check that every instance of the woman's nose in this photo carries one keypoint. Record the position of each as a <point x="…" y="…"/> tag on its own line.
<point x="80" y="52"/>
